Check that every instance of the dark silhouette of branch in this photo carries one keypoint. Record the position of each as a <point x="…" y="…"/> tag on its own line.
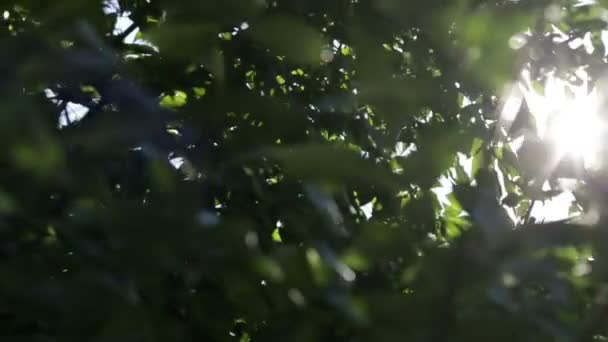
<point x="445" y="313"/>
<point x="596" y="318"/>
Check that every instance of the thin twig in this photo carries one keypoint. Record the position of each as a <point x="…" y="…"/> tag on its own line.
<point x="528" y="213"/>
<point x="127" y="31"/>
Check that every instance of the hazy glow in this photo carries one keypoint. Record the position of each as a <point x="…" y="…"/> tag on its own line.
<point x="577" y="130"/>
<point x="567" y="117"/>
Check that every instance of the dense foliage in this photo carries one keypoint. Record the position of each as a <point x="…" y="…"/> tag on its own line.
<point x="292" y="170"/>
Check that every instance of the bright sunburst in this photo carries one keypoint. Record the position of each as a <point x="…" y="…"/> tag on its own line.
<point x="568" y="118"/>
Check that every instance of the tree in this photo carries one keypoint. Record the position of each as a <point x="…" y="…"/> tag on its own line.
<point x="294" y="170"/>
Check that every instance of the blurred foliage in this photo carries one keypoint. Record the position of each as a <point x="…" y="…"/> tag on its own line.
<point x="260" y="170"/>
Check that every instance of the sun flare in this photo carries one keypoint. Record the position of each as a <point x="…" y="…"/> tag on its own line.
<point x="568" y="119"/>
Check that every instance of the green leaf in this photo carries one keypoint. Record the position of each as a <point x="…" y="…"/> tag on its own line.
<point x="276" y="235"/>
<point x="290" y="37"/>
<point x="177" y="99"/>
<point x="320" y="162"/>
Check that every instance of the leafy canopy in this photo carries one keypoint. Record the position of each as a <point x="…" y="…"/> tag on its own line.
<point x="291" y="170"/>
